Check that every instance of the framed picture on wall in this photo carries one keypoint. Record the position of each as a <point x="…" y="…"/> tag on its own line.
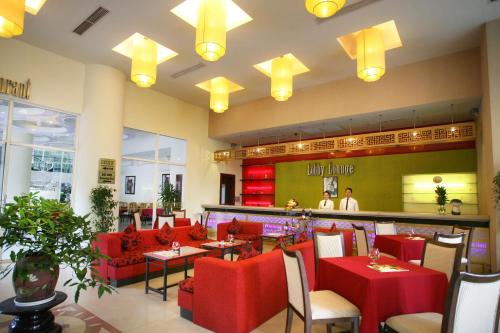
<point x="165" y="179"/>
<point x="129" y="184"/>
<point x="331" y="185"/>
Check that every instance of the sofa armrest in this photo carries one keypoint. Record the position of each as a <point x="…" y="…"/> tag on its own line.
<point x="222" y="230"/>
<point x="109" y="245"/>
<point x="218" y="293"/>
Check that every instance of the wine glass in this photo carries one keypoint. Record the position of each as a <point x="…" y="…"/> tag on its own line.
<point x="231" y="238"/>
<point x="412" y="232"/>
<point x="374" y="255"/>
<point x="176" y="247"/>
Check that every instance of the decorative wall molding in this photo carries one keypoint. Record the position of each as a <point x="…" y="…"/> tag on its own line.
<point x="459" y="132"/>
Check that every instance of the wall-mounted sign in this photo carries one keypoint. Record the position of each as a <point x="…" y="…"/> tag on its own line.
<point x="107" y="169"/>
<point x="14" y="88"/>
<point x="318" y="169"/>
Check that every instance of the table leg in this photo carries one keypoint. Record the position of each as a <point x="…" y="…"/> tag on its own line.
<point x="164" y="280"/>
<point x="261" y="244"/>
<point x="232" y="253"/>
<point x="185" y="268"/>
<point x="147" y="275"/>
<point x="293" y="239"/>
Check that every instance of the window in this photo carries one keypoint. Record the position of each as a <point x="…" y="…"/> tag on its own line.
<point x="40" y="151"/>
<point x="149" y="162"/>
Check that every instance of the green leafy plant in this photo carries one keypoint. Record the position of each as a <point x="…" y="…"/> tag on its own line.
<point x="169" y="198"/>
<point x="496" y="181"/>
<point x="48" y="228"/>
<point x="441" y="195"/>
<point x="103" y="205"/>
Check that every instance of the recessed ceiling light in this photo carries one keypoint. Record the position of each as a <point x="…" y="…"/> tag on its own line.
<point x="188" y="11"/>
<point x="33" y="6"/>
<point x="126" y="48"/>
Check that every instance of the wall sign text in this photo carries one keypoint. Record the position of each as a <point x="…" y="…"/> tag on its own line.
<point x="318" y="169"/>
<point x="14" y="88"/>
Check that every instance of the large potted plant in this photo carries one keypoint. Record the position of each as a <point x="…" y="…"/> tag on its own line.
<point x="102" y="207"/>
<point x="170" y="198"/>
<point x="42" y="235"/>
<point x="441" y="198"/>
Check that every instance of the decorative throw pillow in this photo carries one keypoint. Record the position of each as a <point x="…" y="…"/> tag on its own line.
<point x="187" y="285"/>
<point x="280" y="243"/>
<point x="302" y="237"/>
<point x="198" y="232"/>
<point x="247" y="251"/>
<point x="333" y="227"/>
<point x="166" y="235"/>
<point x="131" y="239"/>
<point x="234" y="227"/>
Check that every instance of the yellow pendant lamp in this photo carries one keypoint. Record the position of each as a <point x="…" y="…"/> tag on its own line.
<point x="281" y="79"/>
<point x="324" y="8"/>
<point x="370" y="54"/>
<point x="211" y="29"/>
<point x="219" y="94"/>
<point x="11" y="18"/>
<point x="144" y="62"/>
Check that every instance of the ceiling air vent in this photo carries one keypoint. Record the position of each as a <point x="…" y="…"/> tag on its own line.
<point x="96" y="16"/>
<point x="187" y="70"/>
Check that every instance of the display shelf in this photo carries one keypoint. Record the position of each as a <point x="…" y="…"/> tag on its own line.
<point x="257" y="179"/>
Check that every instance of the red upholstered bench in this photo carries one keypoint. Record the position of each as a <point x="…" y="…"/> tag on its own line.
<point x="125" y="267"/>
<point x="238" y="296"/>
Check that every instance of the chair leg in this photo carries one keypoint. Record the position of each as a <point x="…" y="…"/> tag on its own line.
<point x="307" y="326"/>
<point x="329" y="328"/>
<point x="289" y="319"/>
<point x="355" y="325"/>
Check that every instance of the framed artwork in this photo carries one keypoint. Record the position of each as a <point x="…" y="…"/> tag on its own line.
<point x="129" y="184"/>
<point x="165" y="179"/>
<point x="331" y="184"/>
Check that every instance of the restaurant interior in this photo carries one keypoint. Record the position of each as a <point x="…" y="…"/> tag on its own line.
<point x="239" y="166"/>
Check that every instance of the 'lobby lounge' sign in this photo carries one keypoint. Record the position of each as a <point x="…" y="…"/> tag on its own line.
<point x="318" y="169"/>
<point x="14" y="88"/>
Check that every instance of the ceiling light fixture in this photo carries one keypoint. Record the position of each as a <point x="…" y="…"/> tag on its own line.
<point x="34" y="6"/>
<point x="350" y="139"/>
<point x="414" y="133"/>
<point x="219" y="89"/>
<point x="11" y="18"/>
<point x="453" y="128"/>
<point x="212" y="19"/>
<point x="146" y="55"/>
<point x="281" y="70"/>
<point x="368" y="46"/>
<point x="300" y="145"/>
<point x="380" y="123"/>
<point x="324" y="8"/>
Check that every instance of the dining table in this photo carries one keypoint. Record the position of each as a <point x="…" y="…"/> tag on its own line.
<point x="380" y="295"/>
<point x="404" y="247"/>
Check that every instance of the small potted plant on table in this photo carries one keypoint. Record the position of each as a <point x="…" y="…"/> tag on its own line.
<point x="441" y="198"/>
<point x="42" y="235"/>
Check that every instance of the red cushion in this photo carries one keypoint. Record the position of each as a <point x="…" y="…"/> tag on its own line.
<point x="234" y="227"/>
<point x="166" y="235"/>
<point x="302" y="237"/>
<point x="198" y="232"/>
<point x="248" y="251"/>
<point x="333" y="228"/>
<point x="187" y="285"/>
<point x="131" y="240"/>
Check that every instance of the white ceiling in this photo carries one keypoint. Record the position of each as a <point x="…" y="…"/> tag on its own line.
<point x="428" y="28"/>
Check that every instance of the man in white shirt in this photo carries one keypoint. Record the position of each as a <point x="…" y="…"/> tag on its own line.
<point x="349" y="203"/>
<point x="326" y="203"/>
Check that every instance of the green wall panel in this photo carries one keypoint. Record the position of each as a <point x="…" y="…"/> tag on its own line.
<point x="376" y="182"/>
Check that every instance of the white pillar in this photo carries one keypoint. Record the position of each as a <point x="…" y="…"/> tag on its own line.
<point x="101" y="127"/>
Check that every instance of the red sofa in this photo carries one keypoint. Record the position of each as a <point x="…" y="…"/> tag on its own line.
<point x="125" y="267"/>
<point x="250" y="231"/>
<point x="237" y="297"/>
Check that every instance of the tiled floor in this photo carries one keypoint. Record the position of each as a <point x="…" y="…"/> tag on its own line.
<point x="130" y="310"/>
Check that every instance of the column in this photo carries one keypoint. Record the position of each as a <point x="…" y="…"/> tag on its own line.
<point x="489" y="134"/>
<point x="101" y="127"/>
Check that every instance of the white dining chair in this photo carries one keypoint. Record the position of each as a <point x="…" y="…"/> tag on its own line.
<point x="472" y="305"/>
<point x="327" y="245"/>
<point x="313" y="307"/>
<point x="362" y="244"/>
<point x="137" y="220"/>
<point x="443" y="238"/>
<point x="468" y="233"/>
<point x="385" y="228"/>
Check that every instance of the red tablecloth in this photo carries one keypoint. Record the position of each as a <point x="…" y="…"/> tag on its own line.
<point x="382" y="295"/>
<point x="400" y="246"/>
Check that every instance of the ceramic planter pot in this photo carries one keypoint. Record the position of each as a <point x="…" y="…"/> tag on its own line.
<point x="34" y="280"/>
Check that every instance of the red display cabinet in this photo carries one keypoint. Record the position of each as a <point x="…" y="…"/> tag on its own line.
<point x="258" y="185"/>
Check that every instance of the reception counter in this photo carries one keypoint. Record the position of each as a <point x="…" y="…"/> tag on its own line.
<point x="274" y="218"/>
